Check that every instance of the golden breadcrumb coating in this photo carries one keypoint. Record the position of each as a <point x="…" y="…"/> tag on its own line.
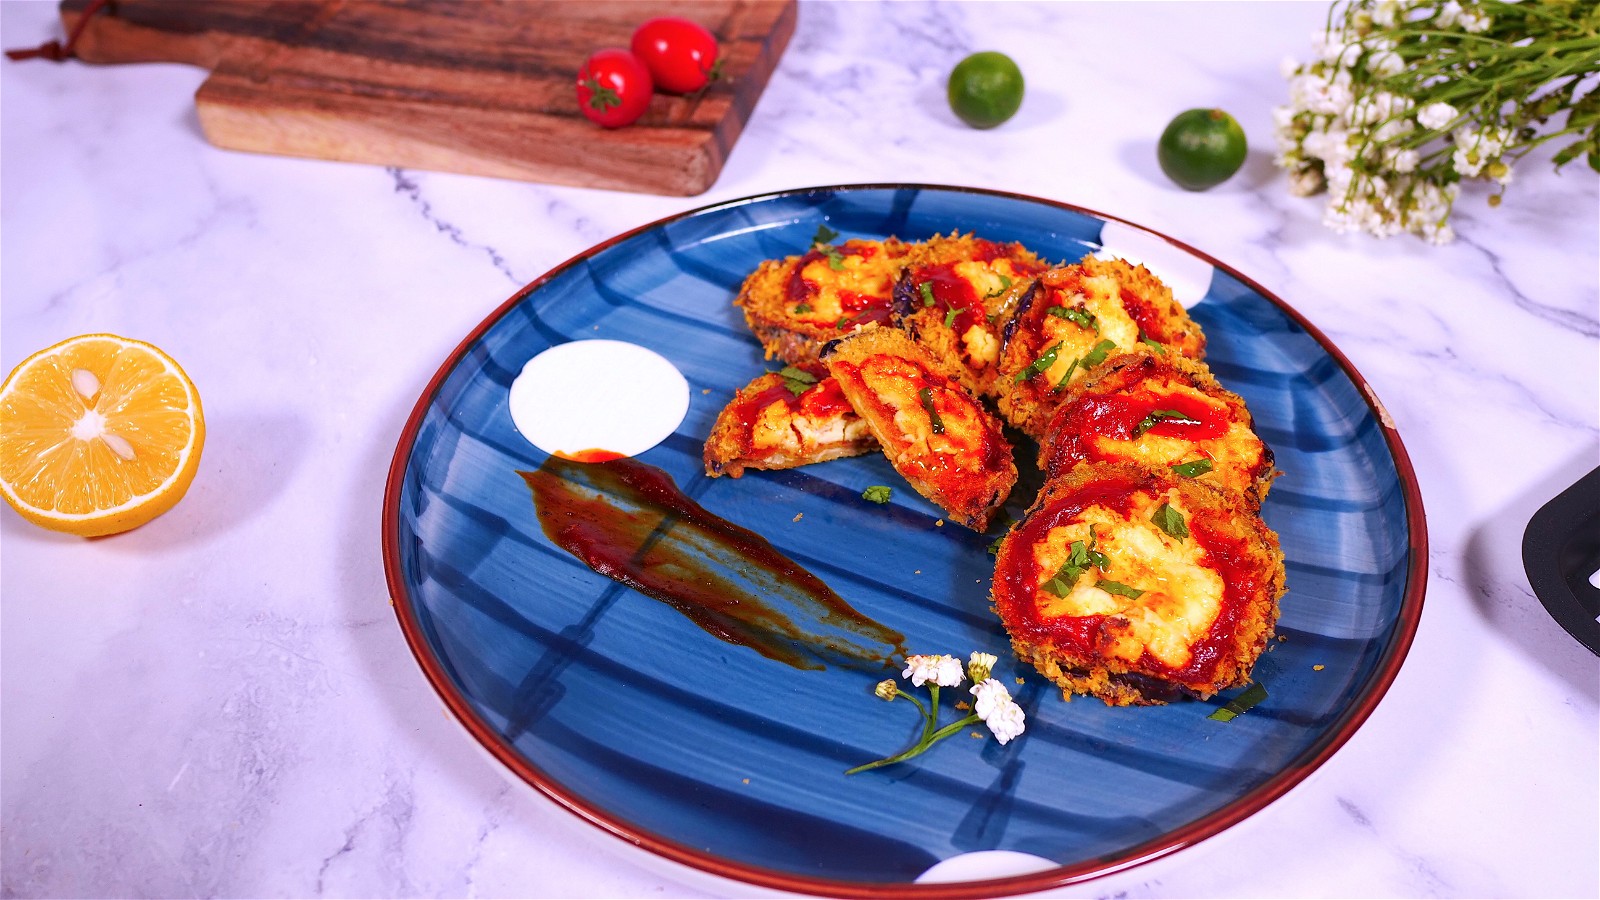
<point x="933" y="431"/>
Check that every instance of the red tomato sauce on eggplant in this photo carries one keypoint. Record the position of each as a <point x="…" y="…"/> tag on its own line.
<point x="858" y="308"/>
<point x="951" y="291"/>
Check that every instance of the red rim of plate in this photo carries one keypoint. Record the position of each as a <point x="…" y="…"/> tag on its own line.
<point x="1207" y="826"/>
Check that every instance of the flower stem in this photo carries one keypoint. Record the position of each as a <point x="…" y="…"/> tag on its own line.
<point x="929" y="738"/>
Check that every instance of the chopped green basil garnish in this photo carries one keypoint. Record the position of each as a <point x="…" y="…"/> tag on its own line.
<point x="950" y="317"/>
<point x="1098" y="355"/>
<point x="822" y="242"/>
<point x="1117" y="587"/>
<point x="1161" y="415"/>
<point x="1081" y="557"/>
<point x="926" y="289"/>
<point x="1170" y="521"/>
<point x="1039" y="365"/>
<point x="1078" y="316"/>
<point x="802" y="309"/>
<point x="878" y="493"/>
<point x="1152" y="344"/>
<point x="1068" y="376"/>
<point x="926" y="395"/>
<point x="1058" y="586"/>
<point x="1193" y="468"/>
<point x="798" y="381"/>
<point x="1236" y="707"/>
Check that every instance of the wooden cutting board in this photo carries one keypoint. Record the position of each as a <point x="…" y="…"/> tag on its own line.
<point x="473" y="86"/>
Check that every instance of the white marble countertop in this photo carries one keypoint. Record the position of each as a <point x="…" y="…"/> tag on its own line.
<point x="221" y="703"/>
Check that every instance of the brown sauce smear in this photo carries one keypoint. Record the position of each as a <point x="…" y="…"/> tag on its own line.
<point x="629" y="522"/>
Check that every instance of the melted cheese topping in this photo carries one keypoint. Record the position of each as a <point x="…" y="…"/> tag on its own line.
<point x="777" y="428"/>
<point x="1181" y="598"/>
<point x="871" y="276"/>
<point x="897" y="383"/>
<point x="986" y="278"/>
<point x="1236" y="454"/>
<point x="983" y="346"/>
<point x="1101" y="297"/>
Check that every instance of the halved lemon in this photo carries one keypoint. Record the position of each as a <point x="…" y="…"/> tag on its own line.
<point x="98" y="434"/>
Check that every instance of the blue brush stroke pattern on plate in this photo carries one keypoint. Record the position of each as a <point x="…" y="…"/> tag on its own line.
<point x="622" y="709"/>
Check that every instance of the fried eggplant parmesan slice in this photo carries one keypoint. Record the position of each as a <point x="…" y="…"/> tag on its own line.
<point x="1073" y="319"/>
<point x="933" y="431"/>
<point x="1137" y="586"/>
<point x="952" y="292"/>
<point x="796" y="304"/>
<point x="1163" y="412"/>
<point x="785" y="419"/>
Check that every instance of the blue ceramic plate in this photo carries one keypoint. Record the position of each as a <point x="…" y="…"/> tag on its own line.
<point x="707" y="753"/>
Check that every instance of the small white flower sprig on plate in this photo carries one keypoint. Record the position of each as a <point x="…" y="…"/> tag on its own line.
<point x="1405" y="100"/>
<point x="992" y="703"/>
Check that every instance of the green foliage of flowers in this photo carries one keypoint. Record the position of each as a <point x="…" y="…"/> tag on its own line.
<point x="1405" y="100"/>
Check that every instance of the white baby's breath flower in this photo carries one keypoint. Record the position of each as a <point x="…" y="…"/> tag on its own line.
<point x="997" y="710"/>
<point x="945" y="671"/>
<point x="1474" y="21"/>
<point x="1435" y="116"/>
<point x="1403" y="161"/>
<point x="989" y="692"/>
<point x="1332" y="146"/>
<point x="1327" y="45"/>
<point x="1385" y="63"/>
<point x="1469" y="156"/>
<point x="1288" y="67"/>
<point x="980" y="665"/>
<point x="1393" y="113"/>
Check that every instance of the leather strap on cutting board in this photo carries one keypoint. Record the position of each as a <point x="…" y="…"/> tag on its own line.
<point x="473" y="86"/>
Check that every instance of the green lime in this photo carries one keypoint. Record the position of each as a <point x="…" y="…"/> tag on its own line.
<point x="1201" y="149"/>
<point x="985" y="89"/>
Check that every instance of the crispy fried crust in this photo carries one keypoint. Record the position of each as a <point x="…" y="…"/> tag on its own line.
<point x="933" y="431"/>
<point x="797" y="304"/>
<point x="1206" y="603"/>
<point x="1125" y="412"/>
<point x="1073" y="319"/>
<point x="768" y="426"/>
<point x="952" y="292"/>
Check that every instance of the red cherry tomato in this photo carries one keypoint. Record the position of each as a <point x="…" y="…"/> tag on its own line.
<point x="614" y="87"/>
<point x="681" y="54"/>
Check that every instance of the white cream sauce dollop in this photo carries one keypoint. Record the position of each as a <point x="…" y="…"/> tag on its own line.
<point x="598" y="395"/>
